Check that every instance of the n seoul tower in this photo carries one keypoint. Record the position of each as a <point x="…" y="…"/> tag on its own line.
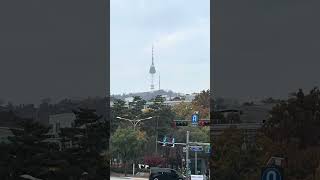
<point x="152" y="71"/>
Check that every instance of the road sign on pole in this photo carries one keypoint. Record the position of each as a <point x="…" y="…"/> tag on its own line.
<point x="196" y="148"/>
<point x="195" y="119"/>
<point x="196" y="162"/>
<point x="271" y="173"/>
<point x="197" y="177"/>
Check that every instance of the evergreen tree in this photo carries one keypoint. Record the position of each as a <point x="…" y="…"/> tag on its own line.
<point x="89" y="138"/>
<point x="29" y="152"/>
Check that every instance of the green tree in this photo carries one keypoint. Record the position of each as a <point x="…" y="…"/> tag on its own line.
<point x="202" y="99"/>
<point x="28" y="152"/>
<point x="201" y="103"/>
<point x="183" y="110"/>
<point x="128" y="144"/>
<point x="296" y="120"/>
<point x="136" y="106"/>
<point x="163" y="117"/>
<point x="294" y="125"/>
<point x="118" y="110"/>
<point x="90" y="143"/>
<point x="232" y="160"/>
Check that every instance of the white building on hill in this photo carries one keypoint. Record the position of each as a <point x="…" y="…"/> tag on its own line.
<point x="58" y="121"/>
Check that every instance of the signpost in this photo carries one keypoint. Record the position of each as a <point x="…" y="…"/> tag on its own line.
<point x="196" y="148"/>
<point x="195" y="119"/>
<point x="192" y="146"/>
<point x="187" y="154"/>
<point x="271" y="173"/>
<point x="197" y="177"/>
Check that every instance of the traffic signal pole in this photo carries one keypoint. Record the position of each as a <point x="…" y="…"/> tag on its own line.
<point x="187" y="154"/>
<point x="157" y="136"/>
<point x="187" y="145"/>
<point x="196" y="163"/>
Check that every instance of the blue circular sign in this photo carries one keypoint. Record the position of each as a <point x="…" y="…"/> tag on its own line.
<point x="271" y="173"/>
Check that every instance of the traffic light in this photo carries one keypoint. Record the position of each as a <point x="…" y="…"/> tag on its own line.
<point x="168" y="141"/>
<point x="164" y="141"/>
<point x="204" y="123"/>
<point x="181" y="123"/>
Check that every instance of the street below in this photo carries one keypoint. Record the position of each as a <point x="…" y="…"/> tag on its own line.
<point x="120" y="178"/>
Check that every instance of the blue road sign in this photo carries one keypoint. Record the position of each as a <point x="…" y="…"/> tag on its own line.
<point x="195" y="119"/>
<point x="196" y="148"/>
<point x="271" y="173"/>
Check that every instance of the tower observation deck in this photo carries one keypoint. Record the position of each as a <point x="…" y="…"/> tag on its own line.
<point x="152" y="71"/>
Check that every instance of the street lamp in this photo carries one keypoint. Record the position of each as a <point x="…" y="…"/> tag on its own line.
<point x="134" y="122"/>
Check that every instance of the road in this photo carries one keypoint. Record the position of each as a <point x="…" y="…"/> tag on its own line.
<point x="123" y="178"/>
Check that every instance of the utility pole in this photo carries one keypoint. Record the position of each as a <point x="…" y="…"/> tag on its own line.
<point x="196" y="163"/>
<point x="133" y="169"/>
<point x="187" y="154"/>
<point x="187" y="146"/>
<point x="157" y="136"/>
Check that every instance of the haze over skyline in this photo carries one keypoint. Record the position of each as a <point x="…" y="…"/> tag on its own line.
<point x="180" y="33"/>
<point x="265" y="48"/>
<point x="52" y="49"/>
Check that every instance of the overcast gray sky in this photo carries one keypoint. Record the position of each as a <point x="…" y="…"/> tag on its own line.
<point x="52" y="49"/>
<point x="180" y="32"/>
<point x="265" y="48"/>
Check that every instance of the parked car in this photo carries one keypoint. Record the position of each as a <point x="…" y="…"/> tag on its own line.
<point x="165" y="174"/>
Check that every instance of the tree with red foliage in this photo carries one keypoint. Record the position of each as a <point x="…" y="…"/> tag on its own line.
<point x="153" y="161"/>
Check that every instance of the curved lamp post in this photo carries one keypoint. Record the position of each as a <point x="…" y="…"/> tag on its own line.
<point x="134" y="122"/>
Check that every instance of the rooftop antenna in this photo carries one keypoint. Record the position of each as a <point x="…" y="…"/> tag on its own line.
<point x="159" y="81"/>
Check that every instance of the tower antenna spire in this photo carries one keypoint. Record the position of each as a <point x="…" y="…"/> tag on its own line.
<point x="152" y="55"/>
<point x="159" y="82"/>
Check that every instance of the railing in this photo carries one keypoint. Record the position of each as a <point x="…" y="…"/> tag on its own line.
<point x="253" y="126"/>
<point x="250" y="129"/>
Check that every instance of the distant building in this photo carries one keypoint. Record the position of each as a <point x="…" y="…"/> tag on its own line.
<point x="251" y="119"/>
<point x="249" y="129"/>
<point x="43" y="114"/>
<point x="190" y="97"/>
<point x="256" y="113"/>
<point x="56" y="122"/>
<point x="26" y="111"/>
<point x="128" y="100"/>
<point x="4" y="134"/>
<point x="166" y="97"/>
<point x="59" y="121"/>
<point x="173" y="103"/>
